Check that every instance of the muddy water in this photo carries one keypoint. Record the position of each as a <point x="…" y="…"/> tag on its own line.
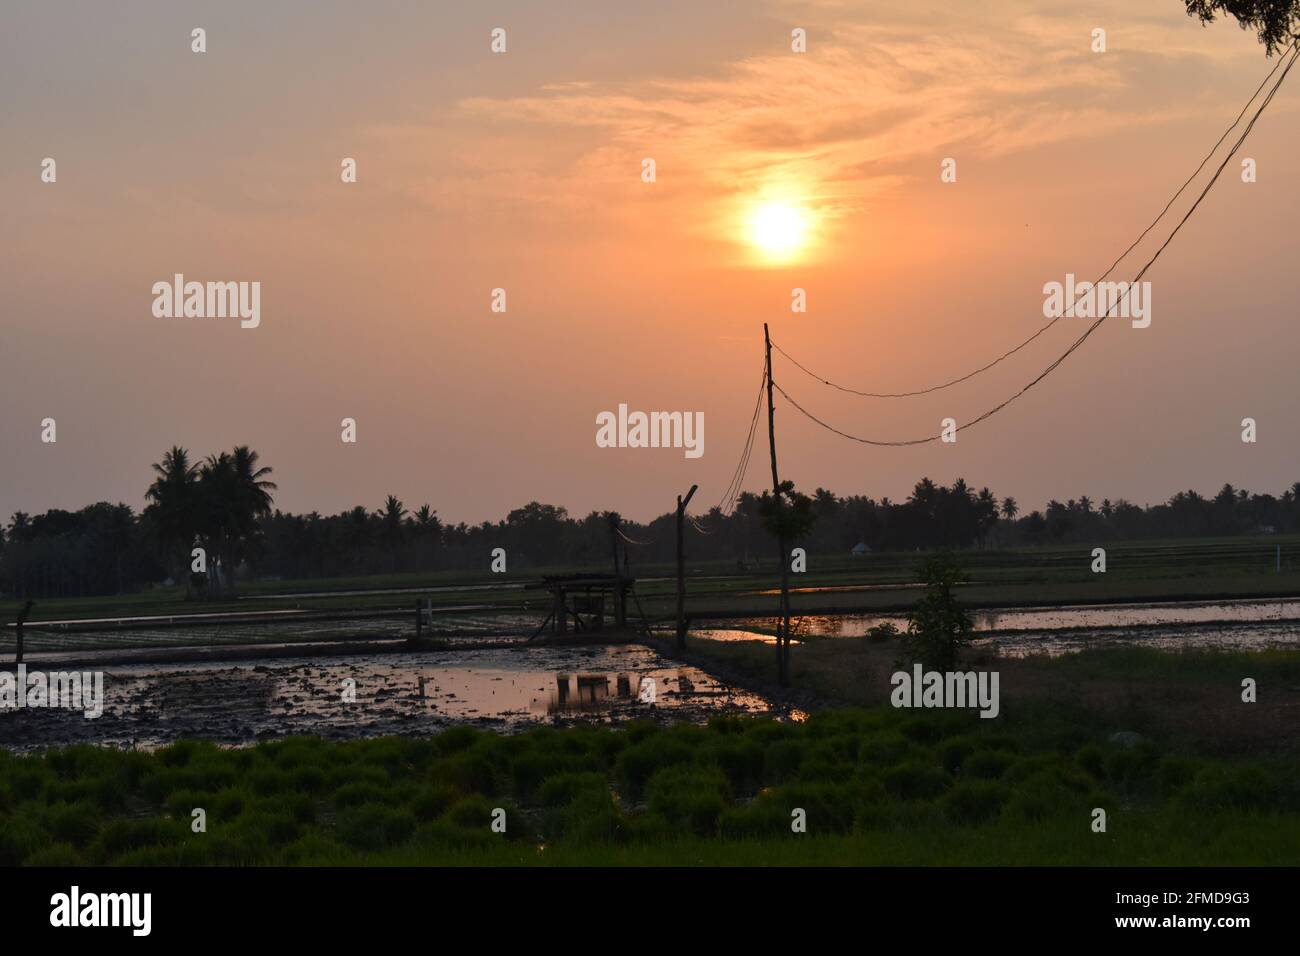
<point x="412" y="694"/>
<point x="1019" y="631"/>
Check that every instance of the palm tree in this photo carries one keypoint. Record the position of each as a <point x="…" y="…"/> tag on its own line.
<point x="390" y="520"/>
<point x="252" y="501"/>
<point x="19" y="525"/>
<point x="234" y="493"/>
<point x="986" y="517"/>
<point x="428" y="532"/>
<point x="1010" y="509"/>
<point x="172" y="511"/>
<point x="216" y="516"/>
<point x="254" y="489"/>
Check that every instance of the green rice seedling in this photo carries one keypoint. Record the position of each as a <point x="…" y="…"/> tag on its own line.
<point x="988" y="764"/>
<point x="563" y="788"/>
<point x="914" y="780"/>
<point x="639" y="761"/>
<point x="375" y="826"/>
<point x="974" y="801"/>
<point x="690" y="798"/>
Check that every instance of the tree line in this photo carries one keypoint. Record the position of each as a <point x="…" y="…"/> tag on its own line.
<point x="224" y="506"/>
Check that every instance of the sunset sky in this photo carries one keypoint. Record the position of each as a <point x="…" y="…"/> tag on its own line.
<point x="523" y="171"/>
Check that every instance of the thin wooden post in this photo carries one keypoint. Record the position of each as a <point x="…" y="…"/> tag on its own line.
<point x="18" y="630"/>
<point x="620" y="607"/>
<point x="783" y="628"/>
<point x="419" y="621"/>
<point x="681" y="566"/>
<point x="561" y="612"/>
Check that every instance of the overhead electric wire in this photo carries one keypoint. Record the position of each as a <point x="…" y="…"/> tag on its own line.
<point x="627" y="539"/>
<point x="1294" y="53"/>
<point x="697" y="526"/>
<point x="738" y="476"/>
<point x="1006" y="355"/>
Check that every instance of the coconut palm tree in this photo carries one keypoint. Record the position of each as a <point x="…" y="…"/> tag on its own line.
<point x="392" y="529"/>
<point x="216" y="517"/>
<point x="234" y="493"/>
<point x="172" y="511"/>
<point x="251" y="488"/>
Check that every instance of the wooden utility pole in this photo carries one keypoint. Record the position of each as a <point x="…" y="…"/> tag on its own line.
<point x="18" y="630"/>
<point x="681" y="566"/>
<point x="620" y="616"/>
<point x="783" y="627"/>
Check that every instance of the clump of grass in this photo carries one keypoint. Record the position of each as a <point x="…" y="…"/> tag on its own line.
<point x="974" y="801"/>
<point x="375" y="826"/>
<point x="691" y="798"/>
<point x="914" y="780"/>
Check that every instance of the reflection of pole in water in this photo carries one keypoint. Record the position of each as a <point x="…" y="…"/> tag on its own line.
<point x="592" y="687"/>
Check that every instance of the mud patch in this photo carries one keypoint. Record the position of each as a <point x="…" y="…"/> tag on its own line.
<point x="410" y="694"/>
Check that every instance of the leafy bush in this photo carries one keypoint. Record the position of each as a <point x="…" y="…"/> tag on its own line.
<point x="939" y="627"/>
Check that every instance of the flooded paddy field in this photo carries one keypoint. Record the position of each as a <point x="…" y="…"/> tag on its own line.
<point x="397" y="693"/>
<point x="242" y="679"/>
<point x="1018" y="632"/>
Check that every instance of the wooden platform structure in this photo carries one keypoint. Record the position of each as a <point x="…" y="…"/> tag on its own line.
<point x="584" y="601"/>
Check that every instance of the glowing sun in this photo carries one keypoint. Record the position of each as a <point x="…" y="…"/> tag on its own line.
<point x="778" y="229"/>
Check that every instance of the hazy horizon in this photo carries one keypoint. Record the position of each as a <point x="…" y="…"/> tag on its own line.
<point x="522" y="171"/>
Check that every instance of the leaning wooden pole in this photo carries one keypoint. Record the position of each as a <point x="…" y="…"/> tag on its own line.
<point x="620" y="609"/>
<point x="18" y="630"/>
<point x="681" y="565"/>
<point x="783" y="627"/>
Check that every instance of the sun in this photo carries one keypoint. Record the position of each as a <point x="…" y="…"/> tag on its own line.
<point x="778" y="229"/>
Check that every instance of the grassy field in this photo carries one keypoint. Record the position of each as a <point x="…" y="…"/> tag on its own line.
<point x="1147" y="570"/>
<point x="1189" y="700"/>
<point x="878" y="786"/>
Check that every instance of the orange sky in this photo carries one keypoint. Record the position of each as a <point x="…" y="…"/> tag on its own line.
<point x="523" y="171"/>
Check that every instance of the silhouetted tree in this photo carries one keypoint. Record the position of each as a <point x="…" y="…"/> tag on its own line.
<point x="1275" y="21"/>
<point x="939" y="627"/>
<point x="172" y="511"/>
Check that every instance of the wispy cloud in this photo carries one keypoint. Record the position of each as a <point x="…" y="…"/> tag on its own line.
<point x="840" y="125"/>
